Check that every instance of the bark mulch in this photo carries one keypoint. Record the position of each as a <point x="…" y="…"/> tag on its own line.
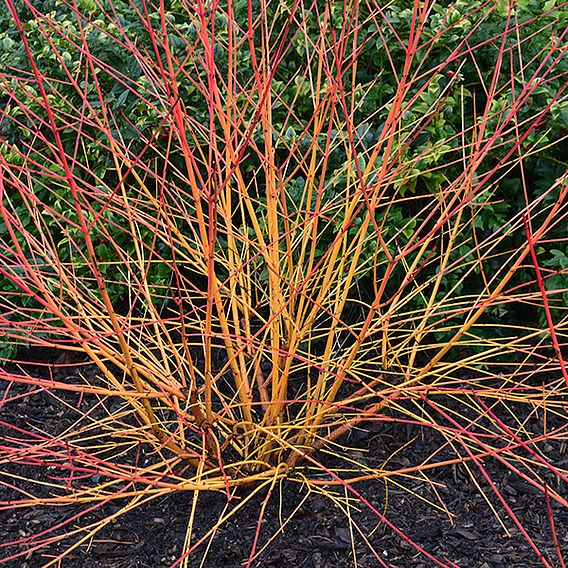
<point x="453" y="515"/>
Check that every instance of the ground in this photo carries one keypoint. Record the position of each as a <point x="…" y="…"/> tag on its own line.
<point x="453" y="514"/>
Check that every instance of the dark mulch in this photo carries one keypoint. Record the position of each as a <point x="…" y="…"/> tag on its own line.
<point x="317" y="533"/>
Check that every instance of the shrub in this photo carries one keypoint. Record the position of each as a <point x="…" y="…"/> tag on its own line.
<point x="267" y="224"/>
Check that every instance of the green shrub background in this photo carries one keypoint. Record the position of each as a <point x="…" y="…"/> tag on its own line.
<point x="142" y="127"/>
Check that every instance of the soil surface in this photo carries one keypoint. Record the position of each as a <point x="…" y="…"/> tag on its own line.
<point x="453" y="514"/>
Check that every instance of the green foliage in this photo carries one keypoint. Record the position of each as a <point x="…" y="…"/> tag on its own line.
<point x="444" y="99"/>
